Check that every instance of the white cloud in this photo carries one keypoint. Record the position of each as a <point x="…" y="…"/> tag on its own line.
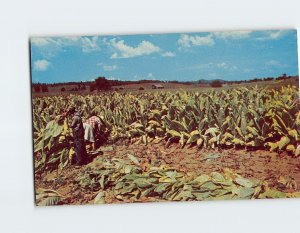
<point x="41" y="65"/>
<point x="222" y="65"/>
<point x="125" y="51"/>
<point x="41" y="41"/>
<point x="114" y="78"/>
<point x="107" y="67"/>
<point x="276" y="34"/>
<point x="272" y="35"/>
<point x="201" y="66"/>
<point x="188" y="41"/>
<point x="213" y="75"/>
<point x="110" y="68"/>
<point x="90" y="44"/>
<point x="168" y="54"/>
<point x="50" y="46"/>
<point x="53" y="41"/>
<point x="70" y="38"/>
<point x="149" y="76"/>
<point x="273" y="63"/>
<point x="247" y="70"/>
<point x="232" y="34"/>
<point x="226" y="66"/>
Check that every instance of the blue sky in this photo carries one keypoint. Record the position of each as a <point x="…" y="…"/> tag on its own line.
<point x="231" y="55"/>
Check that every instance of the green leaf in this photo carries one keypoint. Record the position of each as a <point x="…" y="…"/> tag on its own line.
<point x="209" y="186"/>
<point x="127" y="169"/>
<point x="212" y="131"/>
<point x="237" y="141"/>
<point x="252" y="130"/>
<point x="101" y="181"/>
<point x="273" y="145"/>
<point x="178" y="126"/>
<point x="146" y="192"/>
<point x="49" y="201"/>
<point x="211" y="156"/>
<point x="194" y="137"/>
<point x="144" y="183"/>
<point x="136" y="125"/>
<point x="245" y="182"/>
<point x="39" y="146"/>
<point x="217" y="177"/>
<point x="152" y="122"/>
<point x="201" y="179"/>
<point x="200" y="142"/>
<point x="270" y="193"/>
<point x="195" y="132"/>
<point x="133" y="159"/>
<point x="201" y="196"/>
<point x="100" y="198"/>
<point x="283" y="142"/>
<point x="161" y="187"/>
<point x="244" y="192"/>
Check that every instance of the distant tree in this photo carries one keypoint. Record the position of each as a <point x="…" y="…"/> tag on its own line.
<point x="282" y="77"/>
<point x="62" y="89"/>
<point x="44" y="88"/>
<point x="102" y="83"/>
<point x="37" y="87"/>
<point x="92" y="87"/>
<point x="268" y="79"/>
<point x="141" y="88"/>
<point x="216" y="83"/>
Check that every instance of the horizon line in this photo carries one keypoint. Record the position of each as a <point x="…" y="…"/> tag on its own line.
<point x="157" y="80"/>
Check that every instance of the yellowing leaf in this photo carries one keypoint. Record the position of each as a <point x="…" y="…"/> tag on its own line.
<point x="174" y="133"/>
<point x="297" y="152"/>
<point x="71" y="153"/>
<point x="199" y="142"/>
<point x="293" y="133"/>
<point x="291" y="148"/>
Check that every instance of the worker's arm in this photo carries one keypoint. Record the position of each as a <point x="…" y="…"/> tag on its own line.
<point x="74" y="121"/>
<point x="96" y="128"/>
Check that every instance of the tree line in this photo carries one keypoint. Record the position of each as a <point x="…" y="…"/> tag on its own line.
<point x="101" y="83"/>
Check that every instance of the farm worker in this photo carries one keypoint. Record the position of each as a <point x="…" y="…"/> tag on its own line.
<point x="89" y="134"/>
<point x="78" y="134"/>
<point x="96" y="123"/>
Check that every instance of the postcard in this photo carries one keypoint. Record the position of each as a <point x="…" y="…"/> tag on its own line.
<point x="165" y="117"/>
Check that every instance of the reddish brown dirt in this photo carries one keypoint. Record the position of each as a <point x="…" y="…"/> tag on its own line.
<point x="259" y="164"/>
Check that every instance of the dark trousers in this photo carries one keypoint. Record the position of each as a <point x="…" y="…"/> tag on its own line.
<point x="80" y="151"/>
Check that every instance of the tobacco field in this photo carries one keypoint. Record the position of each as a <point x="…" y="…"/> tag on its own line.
<point x="240" y="119"/>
